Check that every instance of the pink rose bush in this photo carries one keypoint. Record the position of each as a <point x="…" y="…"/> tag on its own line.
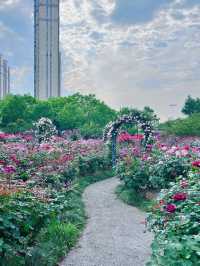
<point x="39" y="188"/>
<point x="172" y="167"/>
<point x="22" y="160"/>
<point x="162" y="162"/>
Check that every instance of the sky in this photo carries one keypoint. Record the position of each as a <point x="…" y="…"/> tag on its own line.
<point x="128" y="52"/>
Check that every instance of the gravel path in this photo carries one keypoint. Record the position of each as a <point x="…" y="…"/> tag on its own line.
<point x="114" y="235"/>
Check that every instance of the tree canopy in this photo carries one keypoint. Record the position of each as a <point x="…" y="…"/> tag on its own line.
<point x="85" y="113"/>
<point x="191" y="106"/>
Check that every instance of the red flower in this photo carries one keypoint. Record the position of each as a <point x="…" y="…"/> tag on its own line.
<point x="196" y="164"/>
<point x="171" y="208"/>
<point x="186" y="147"/>
<point x="179" y="196"/>
<point x="123" y="137"/>
<point x="2" y="162"/>
<point x="161" y="202"/>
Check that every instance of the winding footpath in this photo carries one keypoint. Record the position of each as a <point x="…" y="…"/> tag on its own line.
<point x="114" y="235"/>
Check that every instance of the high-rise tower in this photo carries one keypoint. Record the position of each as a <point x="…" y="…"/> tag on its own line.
<point x="46" y="49"/>
<point x="4" y="77"/>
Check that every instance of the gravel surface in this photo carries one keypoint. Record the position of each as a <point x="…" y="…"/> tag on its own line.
<point x="115" y="233"/>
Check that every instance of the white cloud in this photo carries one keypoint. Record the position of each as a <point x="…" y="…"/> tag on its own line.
<point x="8" y="4"/>
<point x="136" y="65"/>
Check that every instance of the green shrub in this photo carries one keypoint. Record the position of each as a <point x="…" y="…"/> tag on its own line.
<point x="189" y="126"/>
<point x="21" y="217"/>
<point x="91" y="164"/>
<point x="54" y="242"/>
<point x="134" y="174"/>
<point x="166" y="170"/>
<point x="153" y="174"/>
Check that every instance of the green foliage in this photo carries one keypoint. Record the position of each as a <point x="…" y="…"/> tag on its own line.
<point x="166" y="170"/>
<point x="14" y="113"/>
<point x="147" y="113"/>
<point x="86" y="113"/>
<point x="92" y="164"/>
<point x="35" y="231"/>
<point x="154" y="174"/>
<point x="22" y="215"/>
<point x="189" y="126"/>
<point x="131" y="197"/>
<point x="54" y="242"/>
<point x="191" y="106"/>
<point x="134" y="174"/>
<point x="177" y="233"/>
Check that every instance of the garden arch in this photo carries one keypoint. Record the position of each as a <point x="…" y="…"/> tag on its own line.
<point x="112" y="129"/>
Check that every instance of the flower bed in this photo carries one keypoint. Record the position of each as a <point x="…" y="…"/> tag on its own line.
<point x="39" y="196"/>
<point x="175" y="221"/>
<point x="175" y="217"/>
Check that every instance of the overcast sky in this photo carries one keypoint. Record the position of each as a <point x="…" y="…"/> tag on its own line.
<point x="127" y="52"/>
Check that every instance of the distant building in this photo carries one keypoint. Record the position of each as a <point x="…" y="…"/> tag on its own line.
<point x="46" y="49"/>
<point x="4" y="77"/>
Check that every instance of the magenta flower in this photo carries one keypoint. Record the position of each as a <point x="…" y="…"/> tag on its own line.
<point x="9" y="169"/>
<point x="171" y="208"/>
<point x="179" y="196"/>
<point x="196" y="164"/>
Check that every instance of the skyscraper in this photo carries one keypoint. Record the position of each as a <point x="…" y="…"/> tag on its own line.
<point x="4" y="77"/>
<point x="46" y="49"/>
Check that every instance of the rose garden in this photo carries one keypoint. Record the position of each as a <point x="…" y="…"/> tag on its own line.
<point x="51" y="151"/>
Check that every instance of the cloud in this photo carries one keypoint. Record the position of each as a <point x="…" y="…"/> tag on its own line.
<point x="9" y="4"/>
<point x="143" y="63"/>
<point x="136" y="53"/>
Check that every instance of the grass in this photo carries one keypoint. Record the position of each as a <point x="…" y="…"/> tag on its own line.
<point x="55" y="241"/>
<point x="131" y="197"/>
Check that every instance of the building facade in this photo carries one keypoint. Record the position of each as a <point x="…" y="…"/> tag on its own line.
<point x="47" y="65"/>
<point x="4" y="77"/>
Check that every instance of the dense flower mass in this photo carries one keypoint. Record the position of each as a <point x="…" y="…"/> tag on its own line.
<point x="169" y="168"/>
<point x="33" y="172"/>
<point x="28" y="162"/>
<point x="37" y="188"/>
<point x="196" y="163"/>
<point x="125" y="137"/>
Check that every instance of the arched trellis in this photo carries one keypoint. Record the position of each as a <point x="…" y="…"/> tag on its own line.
<point x="112" y="129"/>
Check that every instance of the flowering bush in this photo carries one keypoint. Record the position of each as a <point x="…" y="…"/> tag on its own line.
<point x="36" y="183"/>
<point x="134" y="173"/>
<point x="175" y="220"/>
<point x="165" y="169"/>
<point x="150" y="171"/>
<point x="112" y="129"/>
<point x="44" y="129"/>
